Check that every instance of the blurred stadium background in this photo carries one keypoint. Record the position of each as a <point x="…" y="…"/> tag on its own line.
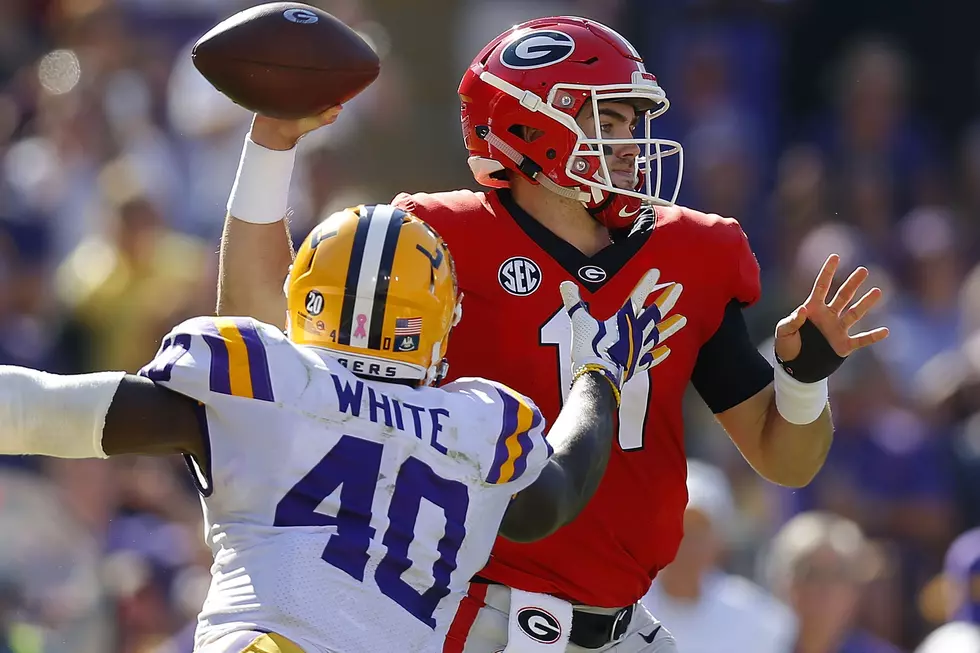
<point x="823" y="125"/>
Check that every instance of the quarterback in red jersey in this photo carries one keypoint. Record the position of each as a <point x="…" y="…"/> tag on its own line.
<point x="515" y="331"/>
<point x="556" y="115"/>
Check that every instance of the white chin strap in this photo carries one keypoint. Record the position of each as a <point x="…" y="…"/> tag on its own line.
<point x="570" y="193"/>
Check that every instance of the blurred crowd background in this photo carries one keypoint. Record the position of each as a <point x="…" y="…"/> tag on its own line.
<point x="851" y="127"/>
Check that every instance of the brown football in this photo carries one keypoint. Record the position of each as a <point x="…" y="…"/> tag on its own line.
<point x="286" y="60"/>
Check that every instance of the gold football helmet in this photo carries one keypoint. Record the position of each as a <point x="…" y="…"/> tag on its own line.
<point x="377" y="286"/>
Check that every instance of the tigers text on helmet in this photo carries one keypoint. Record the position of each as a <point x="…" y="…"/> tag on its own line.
<point x="540" y="75"/>
<point x="376" y="286"/>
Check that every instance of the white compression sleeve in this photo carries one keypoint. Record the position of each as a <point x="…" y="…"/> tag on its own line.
<point x="54" y="415"/>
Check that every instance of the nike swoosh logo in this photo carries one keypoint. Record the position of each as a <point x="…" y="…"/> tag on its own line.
<point x="649" y="638"/>
<point x="624" y="214"/>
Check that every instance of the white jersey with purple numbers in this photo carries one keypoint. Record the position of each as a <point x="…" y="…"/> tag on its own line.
<point x="343" y="514"/>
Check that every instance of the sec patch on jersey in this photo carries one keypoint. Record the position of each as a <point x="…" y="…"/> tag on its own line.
<point x="519" y="276"/>
<point x="286" y="60"/>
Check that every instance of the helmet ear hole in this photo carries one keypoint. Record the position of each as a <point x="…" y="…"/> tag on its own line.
<point x="525" y="133"/>
<point x="501" y="175"/>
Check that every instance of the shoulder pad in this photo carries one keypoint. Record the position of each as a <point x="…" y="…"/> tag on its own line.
<point x="452" y="213"/>
<point x="719" y="240"/>
<point x="514" y="448"/>
<point x="205" y="356"/>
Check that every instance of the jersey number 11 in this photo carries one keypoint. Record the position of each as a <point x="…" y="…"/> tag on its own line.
<point x="635" y="401"/>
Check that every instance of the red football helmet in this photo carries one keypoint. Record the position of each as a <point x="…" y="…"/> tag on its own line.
<point x="540" y="74"/>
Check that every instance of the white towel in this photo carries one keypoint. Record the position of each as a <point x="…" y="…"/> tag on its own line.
<point x="538" y="623"/>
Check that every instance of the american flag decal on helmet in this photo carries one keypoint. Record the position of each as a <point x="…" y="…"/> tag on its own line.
<point x="408" y="333"/>
<point x="408" y="326"/>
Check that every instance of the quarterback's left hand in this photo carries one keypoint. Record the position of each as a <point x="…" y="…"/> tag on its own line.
<point x="834" y="319"/>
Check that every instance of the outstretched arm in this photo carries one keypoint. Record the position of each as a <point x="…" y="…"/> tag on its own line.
<point x="146" y="418"/>
<point x="251" y="258"/>
<point x="785" y="430"/>
<point x="582" y="438"/>
<point x="256" y="249"/>
<point x="604" y="356"/>
<point x="94" y="416"/>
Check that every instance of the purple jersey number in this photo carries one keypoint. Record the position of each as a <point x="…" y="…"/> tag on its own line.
<point x="353" y="465"/>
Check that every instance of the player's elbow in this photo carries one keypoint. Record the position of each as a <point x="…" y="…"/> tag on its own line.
<point x="790" y="477"/>
<point x="795" y="472"/>
<point x="798" y="465"/>
<point x="530" y="530"/>
<point x="540" y="509"/>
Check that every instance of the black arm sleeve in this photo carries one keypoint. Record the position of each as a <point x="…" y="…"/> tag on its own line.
<point x="730" y="368"/>
<point x="582" y="437"/>
<point x="148" y="419"/>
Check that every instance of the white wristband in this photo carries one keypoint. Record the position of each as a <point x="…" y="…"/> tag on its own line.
<point x="798" y="402"/>
<point x="261" y="191"/>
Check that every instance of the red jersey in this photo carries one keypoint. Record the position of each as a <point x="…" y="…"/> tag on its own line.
<point x="514" y="330"/>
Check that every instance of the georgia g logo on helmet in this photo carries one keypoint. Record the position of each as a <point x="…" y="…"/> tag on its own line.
<point x="537" y="49"/>
<point x="301" y="16"/>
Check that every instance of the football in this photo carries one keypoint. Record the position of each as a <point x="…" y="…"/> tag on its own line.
<point x="286" y="60"/>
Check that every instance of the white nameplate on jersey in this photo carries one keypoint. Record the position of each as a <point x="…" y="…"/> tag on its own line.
<point x="538" y="623"/>
<point x="379" y="368"/>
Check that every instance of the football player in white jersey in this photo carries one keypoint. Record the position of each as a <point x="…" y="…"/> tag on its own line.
<point x="346" y="514"/>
